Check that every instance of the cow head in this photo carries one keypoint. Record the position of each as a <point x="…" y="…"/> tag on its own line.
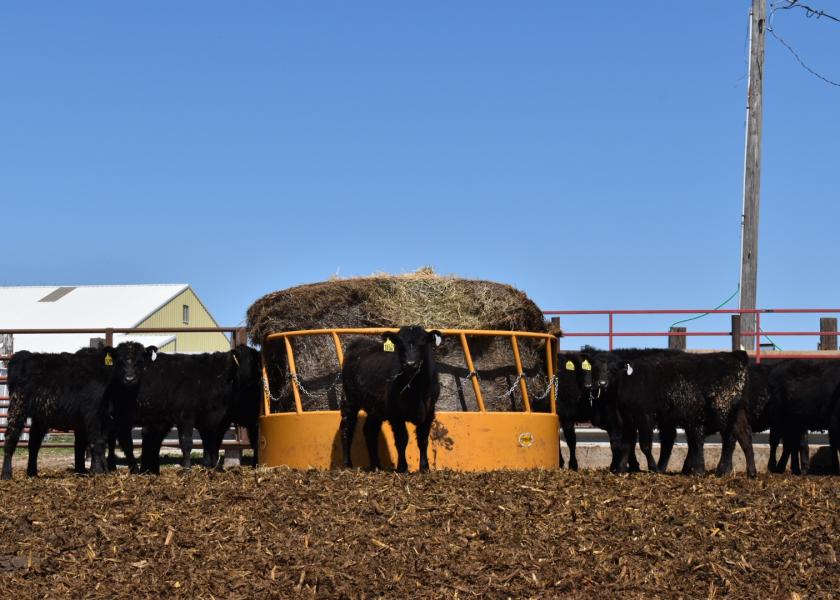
<point x="413" y="345"/>
<point x="575" y="369"/>
<point x="245" y="366"/>
<point x="130" y="360"/>
<point x="607" y="368"/>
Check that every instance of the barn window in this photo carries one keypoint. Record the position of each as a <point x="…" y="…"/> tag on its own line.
<point x="186" y="314"/>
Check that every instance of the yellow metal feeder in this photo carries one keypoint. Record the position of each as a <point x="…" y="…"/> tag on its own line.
<point x="462" y="441"/>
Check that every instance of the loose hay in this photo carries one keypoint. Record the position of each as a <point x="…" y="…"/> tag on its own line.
<point x="349" y="534"/>
<point x="420" y="298"/>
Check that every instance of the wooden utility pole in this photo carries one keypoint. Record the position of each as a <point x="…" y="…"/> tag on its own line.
<point x="752" y="170"/>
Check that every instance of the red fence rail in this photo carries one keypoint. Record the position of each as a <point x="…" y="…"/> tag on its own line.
<point x="735" y="334"/>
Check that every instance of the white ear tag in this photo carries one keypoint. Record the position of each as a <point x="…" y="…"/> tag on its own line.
<point x="629" y="369"/>
<point x="154" y="356"/>
<point x="438" y="339"/>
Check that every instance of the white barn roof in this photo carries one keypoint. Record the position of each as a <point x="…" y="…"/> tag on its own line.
<point x="75" y="307"/>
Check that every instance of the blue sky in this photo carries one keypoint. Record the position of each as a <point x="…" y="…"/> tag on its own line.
<point x="590" y="156"/>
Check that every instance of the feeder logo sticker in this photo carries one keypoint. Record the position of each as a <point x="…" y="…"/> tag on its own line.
<point x="570" y="366"/>
<point x="388" y="346"/>
<point x="526" y="439"/>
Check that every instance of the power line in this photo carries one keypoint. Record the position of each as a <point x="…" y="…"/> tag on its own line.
<point x="809" y="11"/>
<point x="799" y="59"/>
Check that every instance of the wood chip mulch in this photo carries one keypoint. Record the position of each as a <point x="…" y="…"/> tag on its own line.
<point x="350" y="534"/>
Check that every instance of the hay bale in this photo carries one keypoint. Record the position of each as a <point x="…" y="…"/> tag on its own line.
<point x="420" y="298"/>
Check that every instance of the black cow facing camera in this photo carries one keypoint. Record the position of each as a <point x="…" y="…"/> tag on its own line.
<point x="70" y="392"/>
<point x="394" y="379"/>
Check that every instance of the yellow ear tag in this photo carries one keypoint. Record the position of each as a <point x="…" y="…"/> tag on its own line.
<point x="586" y="366"/>
<point x="388" y="346"/>
<point x="109" y="362"/>
<point x="570" y="366"/>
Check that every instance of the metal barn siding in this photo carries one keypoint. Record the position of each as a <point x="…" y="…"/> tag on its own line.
<point x="171" y="315"/>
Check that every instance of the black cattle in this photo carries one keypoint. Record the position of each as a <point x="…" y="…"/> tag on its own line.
<point x="70" y="392"/>
<point x="807" y="395"/>
<point x="605" y="414"/>
<point x="394" y="379"/>
<point x="207" y="392"/>
<point x="702" y="393"/>
<point x="574" y="398"/>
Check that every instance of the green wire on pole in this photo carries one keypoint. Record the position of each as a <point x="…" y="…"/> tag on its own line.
<point x="721" y="305"/>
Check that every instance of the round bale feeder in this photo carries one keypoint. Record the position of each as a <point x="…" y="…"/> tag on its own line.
<point x="462" y="440"/>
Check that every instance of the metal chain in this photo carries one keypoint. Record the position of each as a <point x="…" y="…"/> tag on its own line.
<point x="513" y="387"/>
<point x="297" y="382"/>
<point x="551" y="382"/>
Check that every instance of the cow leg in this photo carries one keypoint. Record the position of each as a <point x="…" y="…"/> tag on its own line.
<point x="371" y="430"/>
<point x="127" y="447"/>
<point x="694" y="463"/>
<point x="560" y="446"/>
<point x="422" y="433"/>
<point x="646" y="445"/>
<point x="185" y="441"/>
<point x="97" y="442"/>
<point x="348" y="428"/>
<point x="14" y="427"/>
<point x="254" y="438"/>
<point x="152" y="441"/>
<point x="616" y="450"/>
<point x="628" y="446"/>
<point x="790" y="445"/>
<point x="743" y="433"/>
<point x="37" y="431"/>
<point x="724" y="466"/>
<point x="216" y="439"/>
<point x="773" y="439"/>
<point x="208" y="460"/>
<point x="79" y="448"/>
<point x="667" y="437"/>
<point x="401" y="441"/>
<point x="804" y="458"/>
<point x="571" y="442"/>
<point x="112" y="451"/>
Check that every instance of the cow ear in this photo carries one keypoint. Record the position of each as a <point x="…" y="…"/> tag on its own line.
<point x="152" y="352"/>
<point x="436" y="337"/>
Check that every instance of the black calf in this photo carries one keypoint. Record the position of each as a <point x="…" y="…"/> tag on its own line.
<point x="396" y="380"/>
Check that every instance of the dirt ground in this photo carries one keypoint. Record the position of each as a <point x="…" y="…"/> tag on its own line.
<point x="351" y="534"/>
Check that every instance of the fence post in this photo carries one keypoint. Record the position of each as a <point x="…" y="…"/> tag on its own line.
<point x="736" y="333"/>
<point x="240" y="336"/>
<point x="555" y="326"/>
<point x="677" y="342"/>
<point x="828" y="325"/>
<point x="6" y="349"/>
<point x="109" y="337"/>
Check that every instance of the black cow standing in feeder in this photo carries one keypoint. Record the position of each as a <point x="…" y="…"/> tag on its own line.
<point x="392" y="380"/>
